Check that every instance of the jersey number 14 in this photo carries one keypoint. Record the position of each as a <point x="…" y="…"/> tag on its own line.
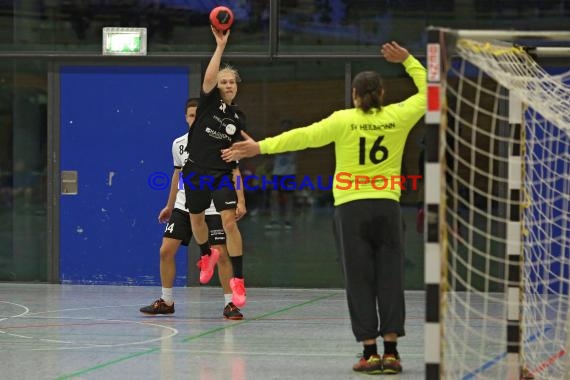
<point x="377" y="153"/>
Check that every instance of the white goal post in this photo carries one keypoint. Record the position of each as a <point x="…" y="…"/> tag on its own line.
<point x="497" y="205"/>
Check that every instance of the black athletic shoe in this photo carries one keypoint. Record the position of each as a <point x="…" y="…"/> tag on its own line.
<point x="232" y="312"/>
<point x="158" y="307"/>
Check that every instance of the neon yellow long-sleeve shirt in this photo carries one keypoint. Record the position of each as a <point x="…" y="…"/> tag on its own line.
<point x="368" y="145"/>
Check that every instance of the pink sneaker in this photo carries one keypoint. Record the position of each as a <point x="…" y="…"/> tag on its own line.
<point x="207" y="264"/>
<point x="238" y="291"/>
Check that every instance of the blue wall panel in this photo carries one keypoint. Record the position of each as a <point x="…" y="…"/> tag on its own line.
<point x="117" y="127"/>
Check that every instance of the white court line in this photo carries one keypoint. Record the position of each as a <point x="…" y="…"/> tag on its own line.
<point x="177" y="303"/>
<point x="26" y="310"/>
<point x="137" y="306"/>
<point x="18" y="336"/>
<point x="55" y="341"/>
<point x="232" y="353"/>
<point x="173" y="331"/>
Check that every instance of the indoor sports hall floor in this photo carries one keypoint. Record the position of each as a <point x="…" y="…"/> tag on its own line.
<point x="97" y="332"/>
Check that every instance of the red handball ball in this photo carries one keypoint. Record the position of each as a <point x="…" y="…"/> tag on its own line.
<point x="221" y="18"/>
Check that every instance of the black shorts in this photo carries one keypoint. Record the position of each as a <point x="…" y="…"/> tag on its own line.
<point x="216" y="229"/>
<point x="178" y="227"/>
<point x="202" y="186"/>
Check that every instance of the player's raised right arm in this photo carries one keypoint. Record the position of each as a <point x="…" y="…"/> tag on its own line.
<point x="211" y="74"/>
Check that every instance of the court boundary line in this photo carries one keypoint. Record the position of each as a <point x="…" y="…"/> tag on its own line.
<point x="193" y="338"/>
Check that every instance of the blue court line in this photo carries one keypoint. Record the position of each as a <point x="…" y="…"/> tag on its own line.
<point x="471" y="375"/>
<point x="484" y="367"/>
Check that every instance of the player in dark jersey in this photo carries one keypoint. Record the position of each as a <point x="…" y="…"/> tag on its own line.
<point x="178" y="232"/>
<point x="207" y="177"/>
<point x="369" y="143"/>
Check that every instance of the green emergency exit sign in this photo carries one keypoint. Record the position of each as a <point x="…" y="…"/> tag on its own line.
<point x="124" y="41"/>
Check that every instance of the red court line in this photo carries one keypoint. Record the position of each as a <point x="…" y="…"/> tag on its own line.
<point x="547" y="363"/>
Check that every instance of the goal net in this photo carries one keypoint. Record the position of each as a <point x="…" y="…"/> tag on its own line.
<point x="503" y="218"/>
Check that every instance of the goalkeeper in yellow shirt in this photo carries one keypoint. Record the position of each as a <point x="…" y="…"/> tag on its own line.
<point x="369" y="143"/>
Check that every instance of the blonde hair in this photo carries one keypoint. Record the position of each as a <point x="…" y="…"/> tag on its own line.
<point x="230" y="69"/>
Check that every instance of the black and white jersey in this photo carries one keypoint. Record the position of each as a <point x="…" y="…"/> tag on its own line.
<point x="179" y="157"/>
<point x="216" y="127"/>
